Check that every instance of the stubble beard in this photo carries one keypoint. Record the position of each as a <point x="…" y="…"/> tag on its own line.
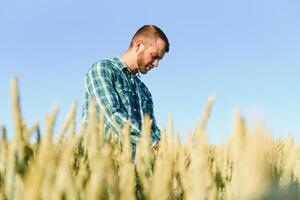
<point x="141" y="64"/>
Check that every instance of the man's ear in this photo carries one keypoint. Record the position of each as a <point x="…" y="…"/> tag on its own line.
<point x="139" y="45"/>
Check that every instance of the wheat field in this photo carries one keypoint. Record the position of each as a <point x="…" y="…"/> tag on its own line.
<point x="82" y="165"/>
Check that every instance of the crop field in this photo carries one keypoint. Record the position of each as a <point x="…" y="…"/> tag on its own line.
<point x="82" y="165"/>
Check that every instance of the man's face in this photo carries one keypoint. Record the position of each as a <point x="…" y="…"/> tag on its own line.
<point x="149" y="57"/>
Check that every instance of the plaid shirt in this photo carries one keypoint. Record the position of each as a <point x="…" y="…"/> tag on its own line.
<point x="122" y="95"/>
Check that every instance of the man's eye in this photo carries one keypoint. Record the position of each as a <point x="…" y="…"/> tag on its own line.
<point x="155" y="57"/>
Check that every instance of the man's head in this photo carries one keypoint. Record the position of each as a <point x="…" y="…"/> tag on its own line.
<point x="149" y="45"/>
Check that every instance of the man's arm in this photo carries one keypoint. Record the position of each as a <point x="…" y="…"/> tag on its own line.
<point x="155" y="133"/>
<point x="148" y="109"/>
<point x="103" y="90"/>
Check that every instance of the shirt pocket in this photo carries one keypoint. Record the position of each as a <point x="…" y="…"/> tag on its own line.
<point x="147" y="105"/>
<point x="123" y="92"/>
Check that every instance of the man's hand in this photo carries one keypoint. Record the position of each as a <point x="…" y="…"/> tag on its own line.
<point x="155" y="148"/>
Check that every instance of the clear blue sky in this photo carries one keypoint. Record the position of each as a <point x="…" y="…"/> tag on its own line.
<point x="246" y="53"/>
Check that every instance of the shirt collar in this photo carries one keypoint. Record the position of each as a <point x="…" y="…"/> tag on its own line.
<point x="121" y="65"/>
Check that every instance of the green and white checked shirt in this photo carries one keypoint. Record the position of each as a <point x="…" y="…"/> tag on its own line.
<point x="122" y="96"/>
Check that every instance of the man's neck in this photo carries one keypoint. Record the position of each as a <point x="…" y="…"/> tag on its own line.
<point x="129" y="62"/>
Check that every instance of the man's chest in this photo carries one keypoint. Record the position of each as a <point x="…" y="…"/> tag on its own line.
<point x="130" y="90"/>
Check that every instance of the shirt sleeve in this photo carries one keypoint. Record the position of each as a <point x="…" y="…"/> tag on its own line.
<point x="106" y="96"/>
<point x="155" y="131"/>
<point x="149" y="110"/>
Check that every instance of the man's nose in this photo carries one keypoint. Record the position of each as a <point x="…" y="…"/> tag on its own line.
<point x="155" y="63"/>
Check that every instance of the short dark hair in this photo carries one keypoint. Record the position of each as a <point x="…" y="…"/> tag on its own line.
<point x="150" y="31"/>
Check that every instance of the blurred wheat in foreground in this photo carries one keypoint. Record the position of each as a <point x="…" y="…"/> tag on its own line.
<point x="83" y="165"/>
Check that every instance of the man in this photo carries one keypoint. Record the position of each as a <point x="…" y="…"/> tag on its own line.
<point x="115" y="85"/>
